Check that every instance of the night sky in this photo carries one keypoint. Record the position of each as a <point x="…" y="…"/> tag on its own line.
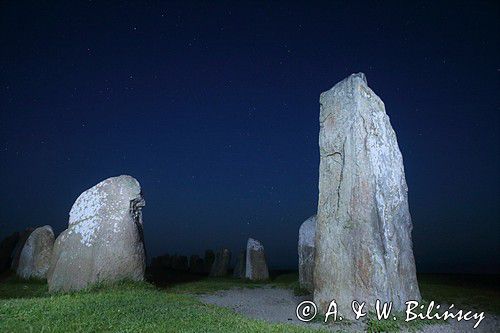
<point x="214" y="109"/>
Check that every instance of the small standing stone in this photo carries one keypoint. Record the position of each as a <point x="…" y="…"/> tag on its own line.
<point x="35" y="256"/>
<point x="221" y="263"/>
<point x="307" y="232"/>
<point x="239" y="269"/>
<point x="196" y="264"/>
<point x="256" y="266"/>
<point x="209" y="260"/>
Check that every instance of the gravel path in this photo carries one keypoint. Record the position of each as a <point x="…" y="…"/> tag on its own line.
<point x="278" y="306"/>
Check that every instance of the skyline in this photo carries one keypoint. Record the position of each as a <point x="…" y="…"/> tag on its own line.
<point x="214" y="109"/>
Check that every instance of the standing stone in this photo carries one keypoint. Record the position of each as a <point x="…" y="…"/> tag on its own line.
<point x="363" y="233"/>
<point x="196" y="264"/>
<point x="35" y="256"/>
<point x="307" y="233"/>
<point x="162" y="262"/>
<point x="209" y="260"/>
<point x="221" y="263"/>
<point x="256" y="266"/>
<point x="240" y="268"/>
<point x="104" y="240"/>
<point x="23" y="236"/>
<point x="7" y="247"/>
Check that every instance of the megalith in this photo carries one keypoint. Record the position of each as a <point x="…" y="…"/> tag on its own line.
<point x="240" y="267"/>
<point x="256" y="266"/>
<point x="306" y="251"/>
<point x="221" y="263"/>
<point x="104" y="240"/>
<point x="363" y="231"/>
<point x="35" y="256"/>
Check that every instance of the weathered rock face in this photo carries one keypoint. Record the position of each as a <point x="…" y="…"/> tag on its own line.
<point x="221" y="263"/>
<point x="7" y="247"/>
<point x="363" y="232"/>
<point x="240" y="268"/>
<point x="306" y="249"/>
<point x="209" y="260"/>
<point x="256" y="266"/>
<point x="35" y="256"/>
<point x="16" y="254"/>
<point x="104" y="239"/>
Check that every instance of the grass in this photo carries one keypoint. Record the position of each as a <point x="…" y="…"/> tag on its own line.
<point x="26" y="306"/>
<point x="123" y="307"/>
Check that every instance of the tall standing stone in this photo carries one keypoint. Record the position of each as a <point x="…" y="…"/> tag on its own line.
<point x="306" y="250"/>
<point x="104" y="240"/>
<point x="363" y="233"/>
<point x="221" y="263"/>
<point x="35" y="256"/>
<point x="256" y="266"/>
<point x="240" y="268"/>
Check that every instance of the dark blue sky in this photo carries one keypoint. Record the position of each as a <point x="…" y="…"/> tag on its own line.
<point x="214" y="109"/>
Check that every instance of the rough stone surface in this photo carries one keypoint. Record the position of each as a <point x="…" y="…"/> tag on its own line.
<point x="240" y="268"/>
<point x="221" y="263"/>
<point x="104" y="240"/>
<point x="7" y="247"/>
<point x="363" y="232"/>
<point x="209" y="260"/>
<point x="306" y="250"/>
<point x="16" y="254"/>
<point x="256" y="266"/>
<point x="35" y="256"/>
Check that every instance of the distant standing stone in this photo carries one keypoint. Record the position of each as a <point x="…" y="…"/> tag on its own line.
<point x="256" y="266"/>
<point x="363" y="231"/>
<point x="196" y="264"/>
<point x="16" y="254"/>
<point x="221" y="263"/>
<point x="35" y="256"/>
<point x="307" y="232"/>
<point x="239" y="269"/>
<point x="104" y="240"/>
<point x="180" y="263"/>
<point x="209" y="260"/>
<point x="7" y="247"/>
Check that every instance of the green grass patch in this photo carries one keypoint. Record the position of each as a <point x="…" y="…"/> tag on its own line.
<point x="123" y="307"/>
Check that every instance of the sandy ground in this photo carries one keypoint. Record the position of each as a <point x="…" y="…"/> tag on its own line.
<point x="278" y="306"/>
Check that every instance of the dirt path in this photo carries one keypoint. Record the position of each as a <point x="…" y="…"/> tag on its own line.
<point x="278" y="306"/>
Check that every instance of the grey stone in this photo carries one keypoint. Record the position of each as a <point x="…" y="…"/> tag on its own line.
<point x="363" y="231"/>
<point x="240" y="268"/>
<point x="23" y="236"/>
<point x="104" y="240"/>
<point x="35" y="256"/>
<point x="256" y="266"/>
<point x="7" y="247"/>
<point x="307" y="232"/>
<point x="209" y="260"/>
<point x="221" y="263"/>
